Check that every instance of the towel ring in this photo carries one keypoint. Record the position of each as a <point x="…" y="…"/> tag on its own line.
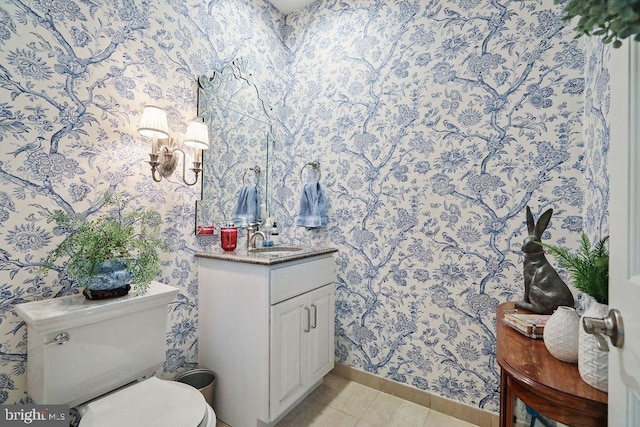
<point x="256" y="170"/>
<point x="316" y="167"/>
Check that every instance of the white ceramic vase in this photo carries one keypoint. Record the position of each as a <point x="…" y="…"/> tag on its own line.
<point x="561" y="334"/>
<point x="593" y="363"/>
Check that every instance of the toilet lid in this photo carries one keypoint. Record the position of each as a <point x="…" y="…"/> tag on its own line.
<point x="152" y="402"/>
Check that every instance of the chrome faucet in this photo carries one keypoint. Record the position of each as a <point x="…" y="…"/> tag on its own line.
<point x="252" y="233"/>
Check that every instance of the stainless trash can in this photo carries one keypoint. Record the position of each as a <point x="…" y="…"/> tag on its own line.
<point x="202" y="379"/>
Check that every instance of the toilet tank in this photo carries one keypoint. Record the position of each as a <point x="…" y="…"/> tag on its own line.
<point x="79" y="349"/>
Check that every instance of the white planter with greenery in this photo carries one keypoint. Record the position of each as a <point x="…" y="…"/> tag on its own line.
<point x="589" y="270"/>
<point x="593" y="363"/>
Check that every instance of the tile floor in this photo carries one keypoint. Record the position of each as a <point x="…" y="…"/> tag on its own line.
<point x="339" y="402"/>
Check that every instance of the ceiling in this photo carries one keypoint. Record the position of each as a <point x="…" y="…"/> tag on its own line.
<point x="288" y="6"/>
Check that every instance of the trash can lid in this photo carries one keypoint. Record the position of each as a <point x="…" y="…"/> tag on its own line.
<point x="152" y="402"/>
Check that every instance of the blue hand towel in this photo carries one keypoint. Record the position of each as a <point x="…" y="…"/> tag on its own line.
<point x="247" y="207"/>
<point x="313" y="207"/>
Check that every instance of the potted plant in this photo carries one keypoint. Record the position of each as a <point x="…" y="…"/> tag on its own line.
<point x="110" y="252"/>
<point x="612" y="20"/>
<point x="589" y="271"/>
<point x="588" y="267"/>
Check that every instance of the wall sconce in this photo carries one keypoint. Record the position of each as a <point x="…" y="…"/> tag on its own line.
<point x="153" y="124"/>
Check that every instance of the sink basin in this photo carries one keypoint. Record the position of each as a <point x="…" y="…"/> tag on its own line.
<point x="273" y="250"/>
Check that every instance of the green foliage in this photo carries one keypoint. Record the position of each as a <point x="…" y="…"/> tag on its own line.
<point x="613" y="20"/>
<point x="130" y="235"/>
<point x="588" y="267"/>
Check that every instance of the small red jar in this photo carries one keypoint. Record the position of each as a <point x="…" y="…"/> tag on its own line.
<point x="228" y="238"/>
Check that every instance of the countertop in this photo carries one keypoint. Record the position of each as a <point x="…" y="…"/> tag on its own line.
<point x="266" y="258"/>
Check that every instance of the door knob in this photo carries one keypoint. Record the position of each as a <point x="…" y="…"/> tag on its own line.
<point x="612" y="326"/>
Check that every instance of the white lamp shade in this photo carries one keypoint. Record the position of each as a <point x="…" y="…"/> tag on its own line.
<point x="153" y="123"/>
<point x="197" y="136"/>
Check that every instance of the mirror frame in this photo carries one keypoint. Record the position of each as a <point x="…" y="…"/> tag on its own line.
<point x="216" y="88"/>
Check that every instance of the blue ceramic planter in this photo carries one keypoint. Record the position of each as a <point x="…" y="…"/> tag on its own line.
<point x="112" y="274"/>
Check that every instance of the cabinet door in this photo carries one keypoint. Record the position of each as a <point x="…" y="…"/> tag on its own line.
<point x="321" y="340"/>
<point x="289" y="321"/>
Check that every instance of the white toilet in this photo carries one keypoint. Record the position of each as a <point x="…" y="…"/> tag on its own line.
<point x="91" y="354"/>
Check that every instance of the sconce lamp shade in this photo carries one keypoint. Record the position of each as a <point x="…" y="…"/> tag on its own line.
<point x="153" y="123"/>
<point x="197" y="136"/>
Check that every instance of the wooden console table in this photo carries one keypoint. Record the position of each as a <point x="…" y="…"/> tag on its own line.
<point x="546" y="384"/>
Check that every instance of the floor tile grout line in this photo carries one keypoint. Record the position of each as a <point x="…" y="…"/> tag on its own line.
<point x="370" y="403"/>
<point x="360" y="419"/>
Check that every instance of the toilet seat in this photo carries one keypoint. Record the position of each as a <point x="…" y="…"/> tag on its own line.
<point x="153" y="403"/>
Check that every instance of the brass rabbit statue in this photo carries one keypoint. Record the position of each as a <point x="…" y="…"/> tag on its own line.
<point x="544" y="290"/>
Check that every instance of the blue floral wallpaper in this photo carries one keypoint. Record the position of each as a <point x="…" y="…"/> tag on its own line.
<point x="596" y="139"/>
<point x="74" y="77"/>
<point x="435" y="124"/>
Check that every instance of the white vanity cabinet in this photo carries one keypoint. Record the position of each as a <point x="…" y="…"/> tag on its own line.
<point x="302" y="341"/>
<point x="267" y="331"/>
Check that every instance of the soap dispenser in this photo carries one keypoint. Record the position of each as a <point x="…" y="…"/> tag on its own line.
<point x="275" y="237"/>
